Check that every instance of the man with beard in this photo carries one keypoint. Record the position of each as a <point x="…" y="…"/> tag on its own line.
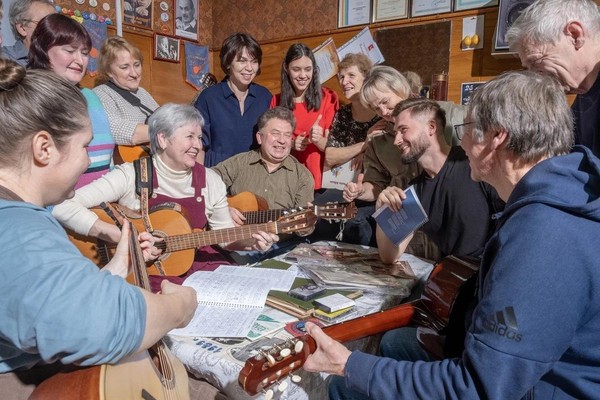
<point x="459" y="209"/>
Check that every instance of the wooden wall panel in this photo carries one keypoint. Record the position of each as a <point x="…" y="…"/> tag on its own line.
<point x="279" y="23"/>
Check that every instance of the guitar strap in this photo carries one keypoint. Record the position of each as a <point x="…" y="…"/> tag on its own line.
<point x="131" y="99"/>
<point x="144" y="188"/>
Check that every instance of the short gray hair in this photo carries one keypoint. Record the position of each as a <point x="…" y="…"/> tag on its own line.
<point x="170" y="117"/>
<point x="543" y="22"/>
<point x="383" y="78"/>
<point x="33" y="101"/>
<point x="533" y="110"/>
<point x="17" y="11"/>
<point x="282" y="113"/>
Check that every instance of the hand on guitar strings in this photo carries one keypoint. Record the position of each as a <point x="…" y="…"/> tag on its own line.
<point x="237" y="216"/>
<point x="263" y="241"/>
<point x="331" y="356"/>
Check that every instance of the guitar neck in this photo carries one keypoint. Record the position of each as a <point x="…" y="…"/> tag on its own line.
<point x="368" y="325"/>
<point x="205" y="238"/>
<point x="262" y="216"/>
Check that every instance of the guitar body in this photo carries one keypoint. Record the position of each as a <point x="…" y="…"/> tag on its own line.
<point x="247" y="201"/>
<point x="166" y="221"/>
<point x="449" y="287"/>
<point x="125" y="380"/>
<point x="124" y="154"/>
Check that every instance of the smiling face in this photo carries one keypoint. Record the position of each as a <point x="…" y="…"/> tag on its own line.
<point x="69" y="61"/>
<point x="479" y="154"/>
<point x="383" y="103"/>
<point x="125" y="71"/>
<point x="243" y="69"/>
<point x="412" y="136"/>
<point x="275" y="140"/>
<point x="560" y="61"/>
<point x="300" y="72"/>
<point x="73" y="162"/>
<point x="351" y="80"/>
<point x="181" y="149"/>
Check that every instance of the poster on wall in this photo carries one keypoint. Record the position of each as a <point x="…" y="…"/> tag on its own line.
<point x="166" y="48"/>
<point x="460" y="5"/>
<point x="327" y="60"/>
<point x="98" y="34"/>
<point x="354" y="12"/>
<point x="430" y="7"/>
<point x="196" y="64"/>
<point x="186" y="19"/>
<point x="385" y="10"/>
<point x="138" y="13"/>
<point x="362" y="43"/>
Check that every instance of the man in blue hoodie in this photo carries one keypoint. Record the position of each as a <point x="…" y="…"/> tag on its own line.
<point x="534" y="332"/>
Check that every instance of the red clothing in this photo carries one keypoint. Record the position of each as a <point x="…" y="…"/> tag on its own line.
<point x="311" y="157"/>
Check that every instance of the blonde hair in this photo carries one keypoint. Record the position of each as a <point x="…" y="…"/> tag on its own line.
<point x="108" y="54"/>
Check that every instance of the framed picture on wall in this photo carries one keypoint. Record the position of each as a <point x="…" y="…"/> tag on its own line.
<point x="430" y="7"/>
<point x="138" y="13"/>
<point x="385" y="10"/>
<point x="166" y="48"/>
<point x="460" y="5"/>
<point x="186" y="19"/>
<point x="354" y="12"/>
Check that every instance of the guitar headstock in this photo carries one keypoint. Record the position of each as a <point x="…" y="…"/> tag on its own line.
<point x="297" y="221"/>
<point x="336" y="211"/>
<point x="275" y="364"/>
<point x="208" y="80"/>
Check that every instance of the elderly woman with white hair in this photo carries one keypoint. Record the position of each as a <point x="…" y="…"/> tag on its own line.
<point x="175" y="137"/>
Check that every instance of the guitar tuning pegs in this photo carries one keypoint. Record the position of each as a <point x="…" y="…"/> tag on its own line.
<point x="298" y="346"/>
<point x="270" y="359"/>
<point x="296" y="378"/>
<point x="268" y="394"/>
<point x="282" y="386"/>
<point x="285" y="352"/>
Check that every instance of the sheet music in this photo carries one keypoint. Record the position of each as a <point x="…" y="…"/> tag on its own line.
<point x="279" y="279"/>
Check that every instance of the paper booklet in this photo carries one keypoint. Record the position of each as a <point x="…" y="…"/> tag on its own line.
<point x="337" y="177"/>
<point x="228" y="303"/>
<point x="400" y="224"/>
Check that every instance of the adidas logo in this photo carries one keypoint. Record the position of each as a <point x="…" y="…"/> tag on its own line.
<point x="504" y="323"/>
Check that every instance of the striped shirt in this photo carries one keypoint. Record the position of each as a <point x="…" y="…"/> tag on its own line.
<point x="102" y="145"/>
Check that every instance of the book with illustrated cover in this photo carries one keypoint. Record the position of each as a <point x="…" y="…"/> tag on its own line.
<point x="398" y="225"/>
<point x="338" y="176"/>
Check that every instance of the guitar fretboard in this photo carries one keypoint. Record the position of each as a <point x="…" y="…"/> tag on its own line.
<point x="205" y="238"/>
<point x="262" y="216"/>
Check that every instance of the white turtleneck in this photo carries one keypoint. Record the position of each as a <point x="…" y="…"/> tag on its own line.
<point x="119" y="186"/>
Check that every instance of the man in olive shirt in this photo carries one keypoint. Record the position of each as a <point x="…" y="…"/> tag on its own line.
<point x="269" y="171"/>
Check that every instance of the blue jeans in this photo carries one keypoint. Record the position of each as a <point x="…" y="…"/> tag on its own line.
<point x="400" y="344"/>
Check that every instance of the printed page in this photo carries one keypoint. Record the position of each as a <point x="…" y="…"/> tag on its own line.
<point x="214" y="288"/>
<point x="279" y="279"/>
<point x="217" y="321"/>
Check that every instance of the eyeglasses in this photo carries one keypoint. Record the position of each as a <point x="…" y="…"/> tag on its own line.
<point x="32" y="21"/>
<point x="460" y="129"/>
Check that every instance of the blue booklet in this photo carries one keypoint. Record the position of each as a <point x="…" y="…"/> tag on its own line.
<point x="398" y="225"/>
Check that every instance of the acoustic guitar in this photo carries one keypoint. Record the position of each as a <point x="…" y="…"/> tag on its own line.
<point x="256" y="209"/>
<point x="179" y="241"/>
<point x="124" y="153"/>
<point x="153" y="374"/>
<point x="440" y="312"/>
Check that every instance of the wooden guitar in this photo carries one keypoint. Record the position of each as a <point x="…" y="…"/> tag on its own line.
<point x="180" y="242"/>
<point x="124" y="153"/>
<point x="256" y="211"/>
<point x="440" y="310"/>
<point x="152" y="374"/>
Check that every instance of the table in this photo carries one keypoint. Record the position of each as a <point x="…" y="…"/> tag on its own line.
<point x="219" y="360"/>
